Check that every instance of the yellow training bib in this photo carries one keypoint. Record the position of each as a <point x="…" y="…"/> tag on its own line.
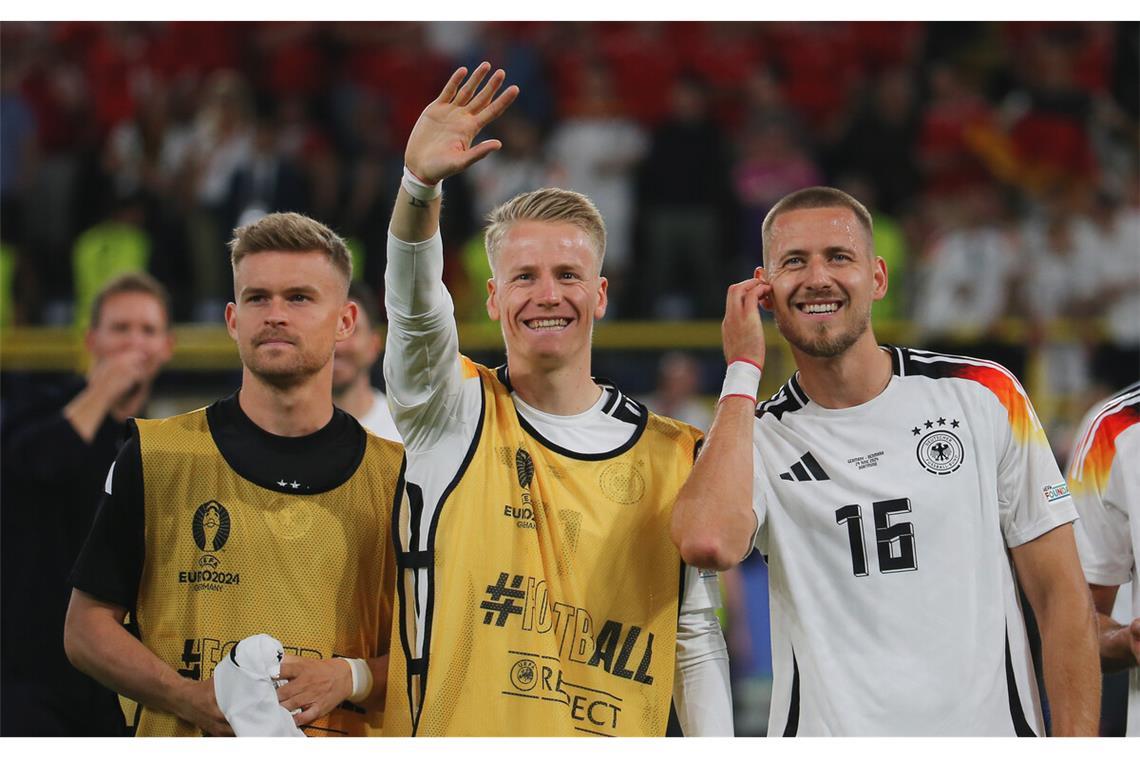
<point x="226" y="559"/>
<point x="544" y="598"/>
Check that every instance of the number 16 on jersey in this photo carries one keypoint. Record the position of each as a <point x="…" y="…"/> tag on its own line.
<point x="895" y="542"/>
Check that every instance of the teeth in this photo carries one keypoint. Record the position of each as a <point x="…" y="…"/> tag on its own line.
<point x="820" y="308"/>
<point x="547" y="324"/>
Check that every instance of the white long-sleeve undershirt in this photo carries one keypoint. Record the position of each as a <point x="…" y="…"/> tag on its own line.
<point x="436" y="411"/>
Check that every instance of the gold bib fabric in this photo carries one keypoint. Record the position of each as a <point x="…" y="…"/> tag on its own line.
<point x="226" y="559"/>
<point x="548" y="586"/>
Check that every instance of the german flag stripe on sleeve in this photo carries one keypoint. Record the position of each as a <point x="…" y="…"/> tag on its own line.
<point x="1094" y="455"/>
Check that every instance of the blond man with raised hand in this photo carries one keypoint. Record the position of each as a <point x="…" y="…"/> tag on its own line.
<point x="265" y="512"/>
<point x="538" y="591"/>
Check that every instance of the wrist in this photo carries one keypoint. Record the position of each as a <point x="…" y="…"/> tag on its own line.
<point x="741" y="379"/>
<point x="360" y="679"/>
<point x="420" y="189"/>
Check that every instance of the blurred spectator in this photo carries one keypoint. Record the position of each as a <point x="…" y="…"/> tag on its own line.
<point x="115" y="246"/>
<point x="513" y="47"/>
<point x="1115" y="231"/>
<point x="17" y="141"/>
<point x="266" y="182"/>
<point x="771" y="165"/>
<point x="57" y="449"/>
<point x="222" y="142"/>
<point x="518" y="167"/>
<point x="678" y="383"/>
<point x="684" y="196"/>
<point x="353" y="365"/>
<point x="594" y="151"/>
<point x="369" y="182"/>
<point x="55" y="88"/>
<point x="143" y="153"/>
<point x="948" y="162"/>
<point x="1063" y="273"/>
<point x="964" y="288"/>
<point x="880" y="143"/>
<point x="821" y="68"/>
<point x="762" y="100"/>
<point x="1050" y="136"/>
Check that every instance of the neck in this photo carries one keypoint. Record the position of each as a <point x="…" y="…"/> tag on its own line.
<point x="293" y="411"/>
<point x="855" y="377"/>
<point x="564" y="390"/>
<point x="356" y="398"/>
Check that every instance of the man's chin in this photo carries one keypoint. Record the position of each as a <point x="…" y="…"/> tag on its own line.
<point x="281" y="376"/>
<point x="822" y="346"/>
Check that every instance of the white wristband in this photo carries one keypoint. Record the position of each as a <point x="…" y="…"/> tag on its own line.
<point x="419" y="189"/>
<point x="742" y="378"/>
<point x="361" y="679"/>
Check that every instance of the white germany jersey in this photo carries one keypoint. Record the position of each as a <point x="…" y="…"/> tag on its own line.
<point x="1105" y="479"/>
<point x="886" y="525"/>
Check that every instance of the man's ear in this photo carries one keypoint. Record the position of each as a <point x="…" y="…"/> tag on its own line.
<point x="766" y="301"/>
<point x="880" y="275"/>
<point x="346" y="325"/>
<point x="603" y="298"/>
<point x="231" y="319"/>
<point x="492" y="306"/>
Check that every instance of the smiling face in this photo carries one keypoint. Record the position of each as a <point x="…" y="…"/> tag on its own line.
<point x="290" y="311"/>
<point x="546" y="293"/>
<point x="824" y="278"/>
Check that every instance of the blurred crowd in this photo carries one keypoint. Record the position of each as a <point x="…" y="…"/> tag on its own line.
<point x="999" y="158"/>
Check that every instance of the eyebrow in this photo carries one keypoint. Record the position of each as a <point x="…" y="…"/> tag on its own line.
<point x="292" y="289"/>
<point x="828" y="249"/>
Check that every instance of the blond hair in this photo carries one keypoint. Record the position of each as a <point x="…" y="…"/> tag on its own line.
<point x="550" y="204"/>
<point x="291" y="232"/>
<point x="815" y="197"/>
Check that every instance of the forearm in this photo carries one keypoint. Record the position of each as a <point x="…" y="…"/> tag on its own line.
<point x="702" y="692"/>
<point x="1072" y="671"/>
<point x="421" y="357"/>
<point x="87" y="411"/>
<point x="102" y="648"/>
<point x="712" y="517"/>
<point x="1115" y="642"/>
<point x="415" y="220"/>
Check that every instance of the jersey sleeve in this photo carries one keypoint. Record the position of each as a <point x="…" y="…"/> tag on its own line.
<point x="1107" y="496"/>
<point x="109" y="566"/>
<point x="1033" y="497"/>
<point x="762" y="495"/>
<point x="702" y="692"/>
<point x="422" y="366"/>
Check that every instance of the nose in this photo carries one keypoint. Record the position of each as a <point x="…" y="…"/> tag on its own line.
<point x="817" y="275"/>
<point x="275" y="314"/>
<point x="549" y="291"/>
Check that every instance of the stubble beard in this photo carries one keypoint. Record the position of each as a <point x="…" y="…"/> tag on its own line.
<point x="816" y="342"/>
<point x="281" y="373"/>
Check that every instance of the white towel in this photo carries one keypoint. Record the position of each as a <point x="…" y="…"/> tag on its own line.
<point x="245" y="685"/>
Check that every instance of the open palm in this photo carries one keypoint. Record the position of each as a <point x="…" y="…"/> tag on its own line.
<point x="440" y="143"/>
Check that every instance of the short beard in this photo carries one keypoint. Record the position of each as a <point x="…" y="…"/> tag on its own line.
<point x="281" y="376"/>
<point x="823" y="347"/>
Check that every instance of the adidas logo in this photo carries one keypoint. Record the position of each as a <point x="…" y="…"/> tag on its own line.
<point x="804" y="470"/>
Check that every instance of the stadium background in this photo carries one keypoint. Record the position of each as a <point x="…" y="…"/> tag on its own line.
<point x="1000" y="161"/>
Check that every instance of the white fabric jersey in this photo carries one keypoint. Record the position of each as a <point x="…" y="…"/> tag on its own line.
<point x="245" y="687"/>
<point x="1105" y="479"/>
<point x="378" y="419"/>
<point x="437" y="413"/>
<point x="886" y="527"/>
